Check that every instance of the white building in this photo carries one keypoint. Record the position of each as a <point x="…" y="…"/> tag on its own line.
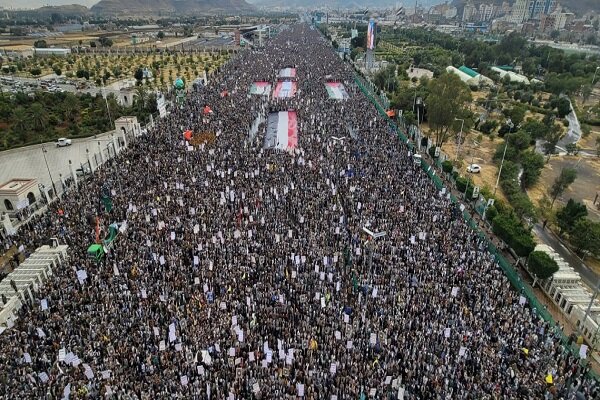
<point x="573" y="299"/>
<point x="519" y="12"/>
<point x="51" y="51"/>
<point x="17" y="194"/>
<point x="514" y="77"/>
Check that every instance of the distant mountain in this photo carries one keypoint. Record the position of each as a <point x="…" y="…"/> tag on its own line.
<point x="71" y="10"/>
<point x="154" y="7"/>
<point x="579" y="7"/>
<point x="342" y="4"/>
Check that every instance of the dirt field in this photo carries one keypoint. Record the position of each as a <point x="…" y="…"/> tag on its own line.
<point x="585" y="187"/>
<point x="481" y="154"/>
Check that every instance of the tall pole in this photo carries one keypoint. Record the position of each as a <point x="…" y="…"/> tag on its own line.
<point x="459" y="136"/>
<point x="589" y="307"/>
<point x="49" y="174"/>
<point x="594" y="78"/>
<point x="502" y="162"/>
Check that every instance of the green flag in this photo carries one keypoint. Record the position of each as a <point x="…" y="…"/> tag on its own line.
<point x="107" y="202"/>
<point x="354" y="282"/>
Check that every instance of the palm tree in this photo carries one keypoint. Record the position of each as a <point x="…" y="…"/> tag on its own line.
<point x="20" y="119"/>
<point x="71" y="107"/>
<point x="142" y="96"/>
<point x="39" y="117"/>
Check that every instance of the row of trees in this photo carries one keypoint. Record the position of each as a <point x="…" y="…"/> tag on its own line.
<point x="46" y="116"/>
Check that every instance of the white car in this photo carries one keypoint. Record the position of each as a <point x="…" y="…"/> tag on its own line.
<point x="62" y="142"/>
<point x="474" y="169"/>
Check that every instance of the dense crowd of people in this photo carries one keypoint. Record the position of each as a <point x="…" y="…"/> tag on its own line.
<point x="247" y="272"/>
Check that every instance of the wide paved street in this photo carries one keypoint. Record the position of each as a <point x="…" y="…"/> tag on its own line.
<point x="28" y="162"/>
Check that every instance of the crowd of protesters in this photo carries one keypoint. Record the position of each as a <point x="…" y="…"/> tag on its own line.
<point x="246" y="272"/>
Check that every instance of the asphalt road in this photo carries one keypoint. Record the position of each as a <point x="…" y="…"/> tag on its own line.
<point x="587" y="275"/>
<point x="28" y="162"/>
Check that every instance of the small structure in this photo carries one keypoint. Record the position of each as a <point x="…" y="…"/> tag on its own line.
<point x="18" y="193"/>
<point x="481" y="79"/>
<point x="51" y="51"/>
<point x="21" y="285"/>
<point x="469" y="76"/>
<point x="127" y="128"/>
<point x="513" y="76"/>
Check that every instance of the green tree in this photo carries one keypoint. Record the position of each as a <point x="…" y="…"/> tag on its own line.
<point x="516" y="113"/>
<point x="446" y="101"/>
<point x="39" y="117"/>
<point x="160" y="35"/>
<point x="585" y="236"/>
<point x="553" y="135"/>
<point x="541" y="265"/>
<point x="532" y="164"/>
<point x="534" y="128"/>
<point x="386" y="79"/>
<point x="40" y="44"/>
<point x="20" y="120"/>
<point x="508" y="227"/>
<point x="141" y="95"/>
<point x="562" y="182"/>
<point x="70" y="107"/>
<point x="586" y="92"/>
<point x="36" y="71"/>
<point x="139" y="74"/>
<point x="572" y="148"/>
<point x="563" y="107"/>
<point x="568" y="216"/>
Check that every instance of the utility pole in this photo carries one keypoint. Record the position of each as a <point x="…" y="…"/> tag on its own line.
<point x="459" y="136"/>
<point x="511" y="125"/>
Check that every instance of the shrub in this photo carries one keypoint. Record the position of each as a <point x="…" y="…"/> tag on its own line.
<point x="541" y="265"/>
<point x="509" y="228"/>
<point x="431" y="151"/>
<point x="491" y="213"/>
<point x="447" y="166"/>
<point x="461" y="184"/>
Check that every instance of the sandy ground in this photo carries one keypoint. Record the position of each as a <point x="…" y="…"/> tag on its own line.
<point x="481" y="154"/>
<point x="584" y="189"/>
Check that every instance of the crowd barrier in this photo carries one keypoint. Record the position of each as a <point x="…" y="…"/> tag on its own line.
<point x="506" y="266"/>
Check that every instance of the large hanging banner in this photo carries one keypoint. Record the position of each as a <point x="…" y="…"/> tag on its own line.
<point x="287" y="73"/>
<point x="285" y="89"/>
<point x="282" y="131"/>
<point x="260" y="88"/>
<point x="336" y="90"/>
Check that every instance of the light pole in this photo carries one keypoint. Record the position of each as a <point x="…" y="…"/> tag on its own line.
<point x="594" y="78"/>
<point x="510" y="125"/>
<point x="589" y="307"/>
<point x="459" y="136"/>
<point x="48" y="168"/>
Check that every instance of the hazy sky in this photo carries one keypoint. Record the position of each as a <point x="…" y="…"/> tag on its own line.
<point x="40" y="3"/>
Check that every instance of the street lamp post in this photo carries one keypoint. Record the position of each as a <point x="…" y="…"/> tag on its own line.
<point x="511" y="125"/>
<point x="459" y="136"/>
<point x="48" y="168"/>
<point x="594" y="78"/>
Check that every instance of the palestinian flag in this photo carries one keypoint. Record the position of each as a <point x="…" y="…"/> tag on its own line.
<point x="336" y="90"/>
<point x="282" y="131"/>
<point x="285" y="89"/>
<point x="260" y="88"/>
<point x="287" y="73"/>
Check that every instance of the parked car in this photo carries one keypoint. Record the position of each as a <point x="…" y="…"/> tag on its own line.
<point x="474" y="169"/>
<point x="62" y="142"/>
<point x="83" y="171"/>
